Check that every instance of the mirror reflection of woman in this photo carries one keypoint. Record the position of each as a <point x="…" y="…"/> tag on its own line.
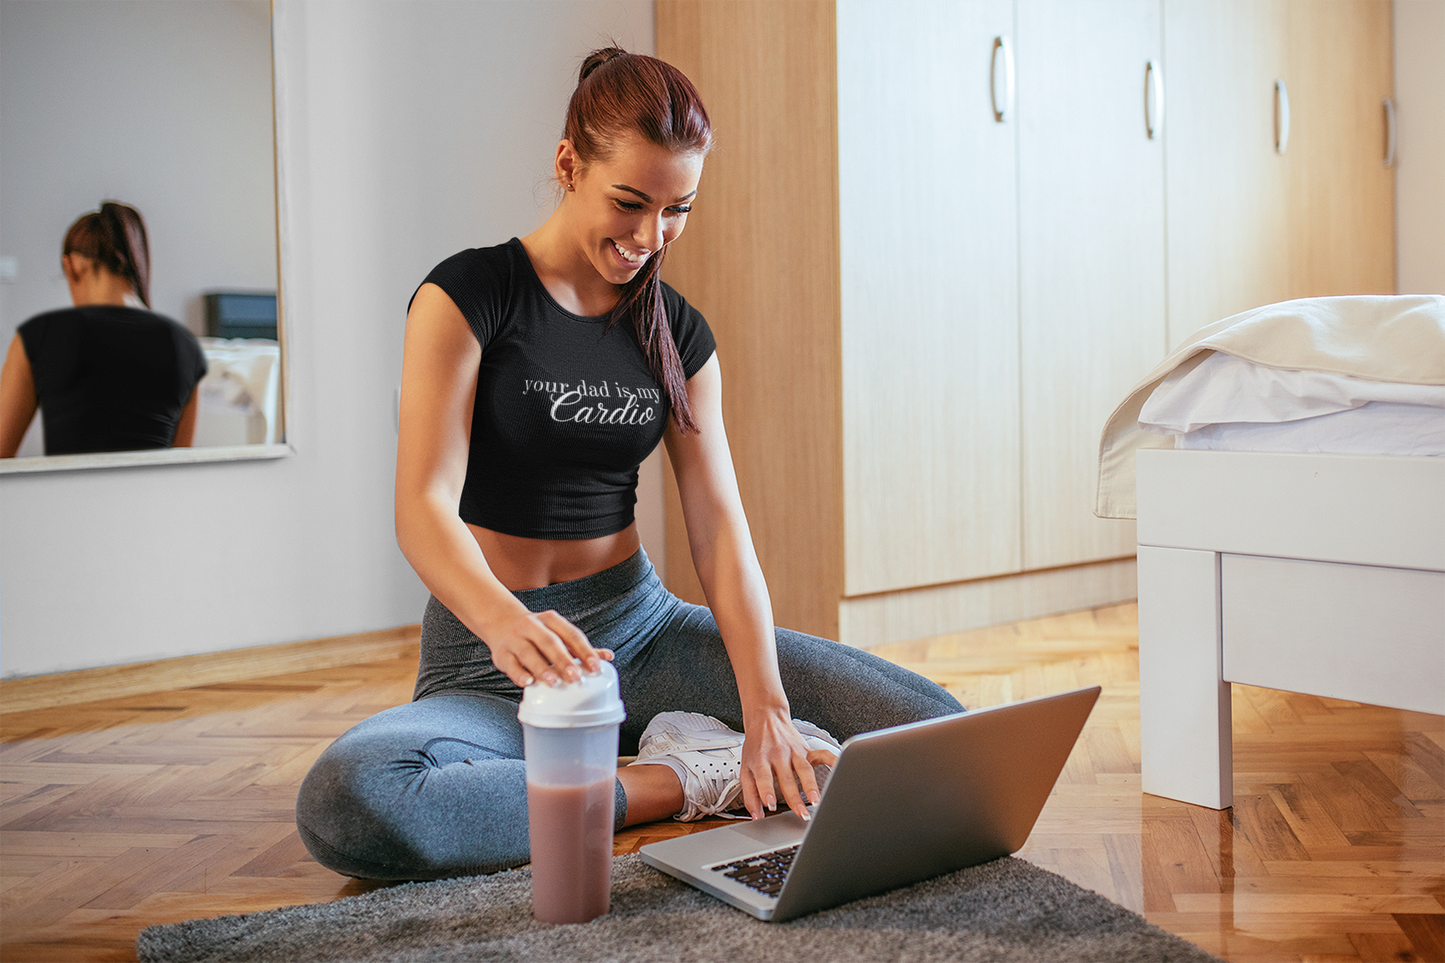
<point x="537" y="375"/>
<point x="108" y="374"/>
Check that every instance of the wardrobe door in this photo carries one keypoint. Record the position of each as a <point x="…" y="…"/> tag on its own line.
<point x="929" y="258"/>
<point x="1229" y="237"/>
<point x="1341" y="194"/>
<point x="759" y="258"/>
<point x="1091" y="203"/>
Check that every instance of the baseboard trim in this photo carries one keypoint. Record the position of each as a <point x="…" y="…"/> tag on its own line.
<point x="874" y="620"/>
<point x="210" y="668"/>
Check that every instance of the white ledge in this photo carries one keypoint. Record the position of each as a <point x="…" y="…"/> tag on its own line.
<point x="132" y="459"/>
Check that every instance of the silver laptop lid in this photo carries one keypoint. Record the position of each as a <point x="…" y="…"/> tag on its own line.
<point x="903" y="805"/>
<point x="916" y="801"/>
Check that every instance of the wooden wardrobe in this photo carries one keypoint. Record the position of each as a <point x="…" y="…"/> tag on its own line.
<point x="939" y="240"/>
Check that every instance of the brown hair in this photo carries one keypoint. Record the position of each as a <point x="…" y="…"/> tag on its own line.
<point x="619" y="93"/>
<point x="115" y="238"/>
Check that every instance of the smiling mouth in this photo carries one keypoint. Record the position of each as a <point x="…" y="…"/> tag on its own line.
<point x="627" y="256"/>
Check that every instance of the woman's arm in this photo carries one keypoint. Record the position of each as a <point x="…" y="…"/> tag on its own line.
<point x="18" y="401"/>
<point x="186" y="427"/>
<point x="727" y="565"/>
<point x="438" y="386"/>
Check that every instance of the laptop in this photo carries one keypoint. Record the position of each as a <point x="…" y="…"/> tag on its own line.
<point x="902" y="805"/>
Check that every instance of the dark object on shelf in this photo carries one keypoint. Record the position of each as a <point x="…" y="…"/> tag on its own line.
<point x="240" y="315"/>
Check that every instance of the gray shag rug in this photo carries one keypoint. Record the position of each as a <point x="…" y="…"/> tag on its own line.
<point x="1005" y="910"/>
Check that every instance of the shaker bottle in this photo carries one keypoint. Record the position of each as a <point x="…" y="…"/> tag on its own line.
<point x="570" y="740"/>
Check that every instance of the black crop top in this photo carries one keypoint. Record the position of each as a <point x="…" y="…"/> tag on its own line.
<point x="110" y="378"/>
<point x="566" y="408"/>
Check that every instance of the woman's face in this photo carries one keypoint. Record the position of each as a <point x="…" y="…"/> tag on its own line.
<point x="625" y="208"/>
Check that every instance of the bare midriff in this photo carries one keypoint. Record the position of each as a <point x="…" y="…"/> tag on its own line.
<point x="526" y="563"/>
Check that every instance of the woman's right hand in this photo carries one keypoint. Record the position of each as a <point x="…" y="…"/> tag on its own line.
<point x="529" y="646"/>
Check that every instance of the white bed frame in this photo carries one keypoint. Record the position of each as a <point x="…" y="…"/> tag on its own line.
<point x="1321" y="574"/>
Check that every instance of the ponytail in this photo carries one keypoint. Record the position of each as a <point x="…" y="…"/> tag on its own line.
<point x="642" y="299"/>
<point x="115" y="238"/>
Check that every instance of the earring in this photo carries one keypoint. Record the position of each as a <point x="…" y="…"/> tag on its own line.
<point x="571" y="188"/>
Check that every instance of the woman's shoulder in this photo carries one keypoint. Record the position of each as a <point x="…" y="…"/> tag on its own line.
<point x="96" y="316"/>
<point x="54" y="317"/>
<point x="480" y="282"/>
<point x="103" y="327"/>
<point x="478" y="266"/>
<point x="677" y="307"/>
<point x="43" y="330"/>
<point x="690" y="331"/>
<point x="143" y="318"/>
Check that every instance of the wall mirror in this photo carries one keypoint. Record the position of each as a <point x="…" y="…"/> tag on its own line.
<point x="168" y="107"/>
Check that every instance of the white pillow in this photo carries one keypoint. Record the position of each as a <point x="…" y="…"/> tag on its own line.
<point x="1223" y="389"/>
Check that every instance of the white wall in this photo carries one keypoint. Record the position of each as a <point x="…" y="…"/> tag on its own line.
<point x="1420" y="170"/>
<point x="407" y="131"/>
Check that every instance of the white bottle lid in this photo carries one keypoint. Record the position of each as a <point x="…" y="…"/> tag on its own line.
<point x="591" y="701"/>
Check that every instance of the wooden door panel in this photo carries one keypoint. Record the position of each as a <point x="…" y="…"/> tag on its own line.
<point x="759" y="258"/>
<point x="929" y="255"/>
<point x="1341" y="195"/>
<point x="1091" y="293"/>
<point x="1229" y="239"/>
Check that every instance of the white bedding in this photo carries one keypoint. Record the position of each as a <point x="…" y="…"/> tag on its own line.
<point x="1222" y="389"/>
<point x="1377" y="428"/>
<point x="1219" y="402"/>
<point x="1386" y="340"/>
<point x="240" y="394"/>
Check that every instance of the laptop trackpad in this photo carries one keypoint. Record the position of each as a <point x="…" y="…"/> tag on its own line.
<point x="783" y="829"/>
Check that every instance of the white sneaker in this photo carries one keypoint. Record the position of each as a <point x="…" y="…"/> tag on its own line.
<point x="816" y="738"/>
<point x="707" y="757"/>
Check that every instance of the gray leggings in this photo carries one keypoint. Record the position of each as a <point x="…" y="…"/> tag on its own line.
<point x="437" y="787"/>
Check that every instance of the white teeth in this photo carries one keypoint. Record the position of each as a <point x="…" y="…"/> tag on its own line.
<point x="630" y="258"/>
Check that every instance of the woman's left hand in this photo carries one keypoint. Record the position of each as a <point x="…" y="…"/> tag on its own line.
<point x="776" y="758"/>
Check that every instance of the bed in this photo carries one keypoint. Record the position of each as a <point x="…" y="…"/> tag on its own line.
<point x="240" y="394"/>
<point x="1315" y="571"/>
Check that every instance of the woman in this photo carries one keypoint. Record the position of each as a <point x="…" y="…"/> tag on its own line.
<point x="537" y="375"/>
<point x="109" y="374"/>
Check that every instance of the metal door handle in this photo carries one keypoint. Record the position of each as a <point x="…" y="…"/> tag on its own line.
<point x="1001" y="89"/>
<point x="1153" y="100"/>
<point x="1390" y="129"/>
<point x="1281" y="117"/>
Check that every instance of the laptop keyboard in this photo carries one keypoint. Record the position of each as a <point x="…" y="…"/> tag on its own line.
<point x="764" y="872"/>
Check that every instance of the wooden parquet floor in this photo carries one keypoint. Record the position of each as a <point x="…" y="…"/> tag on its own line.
<point x="120" y="814"/>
